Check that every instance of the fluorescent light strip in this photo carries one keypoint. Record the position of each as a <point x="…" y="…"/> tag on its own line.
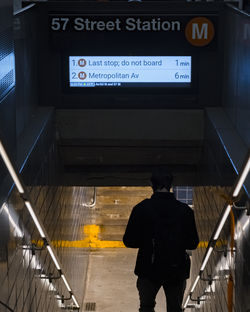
<point x="242" y="178"/>
<point x="11" y="169"/>
<point x="66" y="283"/>
<point x="222" y="222"/>
<point x="34" y="217"/>
<point x="53" y="257"/>
<point x="75" y="301"/>
<point x="186" y="303"/>
<point x="195" y="283"/>
<point x="206" y="258"/>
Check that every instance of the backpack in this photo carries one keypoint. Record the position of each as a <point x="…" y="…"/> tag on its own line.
<point x="168" y="253"/>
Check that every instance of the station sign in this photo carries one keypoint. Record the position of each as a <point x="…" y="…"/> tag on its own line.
<point x="85" y="23"/>
<point x="199" y="30"/>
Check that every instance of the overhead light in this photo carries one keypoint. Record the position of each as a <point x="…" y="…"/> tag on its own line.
<point x="16" y="227"/>
<point x="206" y="258"/>
<point x="75" y="301"/>
<point x="35" y="219"/>
<point x="66" y="283"/>
<point x="242" y="178"/>
<point x="53" y="257"/>
<point x="222" y="222"/>
<point x="11" y="169"/>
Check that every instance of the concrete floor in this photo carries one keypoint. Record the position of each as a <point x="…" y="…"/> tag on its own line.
<point x="111" y="283"/>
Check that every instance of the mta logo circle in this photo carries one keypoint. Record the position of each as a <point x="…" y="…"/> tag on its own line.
<point x="199" y="31"/>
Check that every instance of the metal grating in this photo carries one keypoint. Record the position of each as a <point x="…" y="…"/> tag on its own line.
<point x="90" y="306"/>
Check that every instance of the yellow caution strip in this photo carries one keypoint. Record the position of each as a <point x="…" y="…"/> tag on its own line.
<point x="91" y="240"/>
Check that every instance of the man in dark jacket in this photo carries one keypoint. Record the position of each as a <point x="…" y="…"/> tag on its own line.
<point x="163" y="229"/>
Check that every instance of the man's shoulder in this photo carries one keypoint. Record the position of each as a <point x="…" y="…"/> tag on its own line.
<point x="186" y="209"/>
<point x="142" y="204"/>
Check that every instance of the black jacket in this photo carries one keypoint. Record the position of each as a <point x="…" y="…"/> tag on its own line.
<point x="163" y="211"/>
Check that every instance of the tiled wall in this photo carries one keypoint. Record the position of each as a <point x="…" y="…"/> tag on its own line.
<point x="22" y="289"/>
<point x="208" y="205"/>
<point x="227" y="266"/>
<point x="62" y="214"/>
<point x="242" y="260"/>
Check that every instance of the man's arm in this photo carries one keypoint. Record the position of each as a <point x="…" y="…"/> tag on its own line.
<point x="191" y="238"/>
<point x="132" y="236"/>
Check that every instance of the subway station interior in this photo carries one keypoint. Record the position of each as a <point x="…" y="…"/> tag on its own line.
<point x="94" y="95"/>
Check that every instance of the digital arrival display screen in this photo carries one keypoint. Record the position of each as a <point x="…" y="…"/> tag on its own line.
<point x="129" y="71"/>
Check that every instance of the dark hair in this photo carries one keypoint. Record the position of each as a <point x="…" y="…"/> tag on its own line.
<point x="161" y="178"/>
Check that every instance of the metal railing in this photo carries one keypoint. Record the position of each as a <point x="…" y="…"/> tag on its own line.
<point x="217" y="230"/>
<point x="40" y="227"/>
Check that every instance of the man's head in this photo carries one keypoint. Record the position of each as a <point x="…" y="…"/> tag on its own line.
<point x="160" y="179"/>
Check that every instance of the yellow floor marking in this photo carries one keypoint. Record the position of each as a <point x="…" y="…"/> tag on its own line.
<point x="91" y="240"/>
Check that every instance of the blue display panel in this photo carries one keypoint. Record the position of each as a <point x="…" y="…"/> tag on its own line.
<point x="130" y="71"/>
<point x="7" y="73"/>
